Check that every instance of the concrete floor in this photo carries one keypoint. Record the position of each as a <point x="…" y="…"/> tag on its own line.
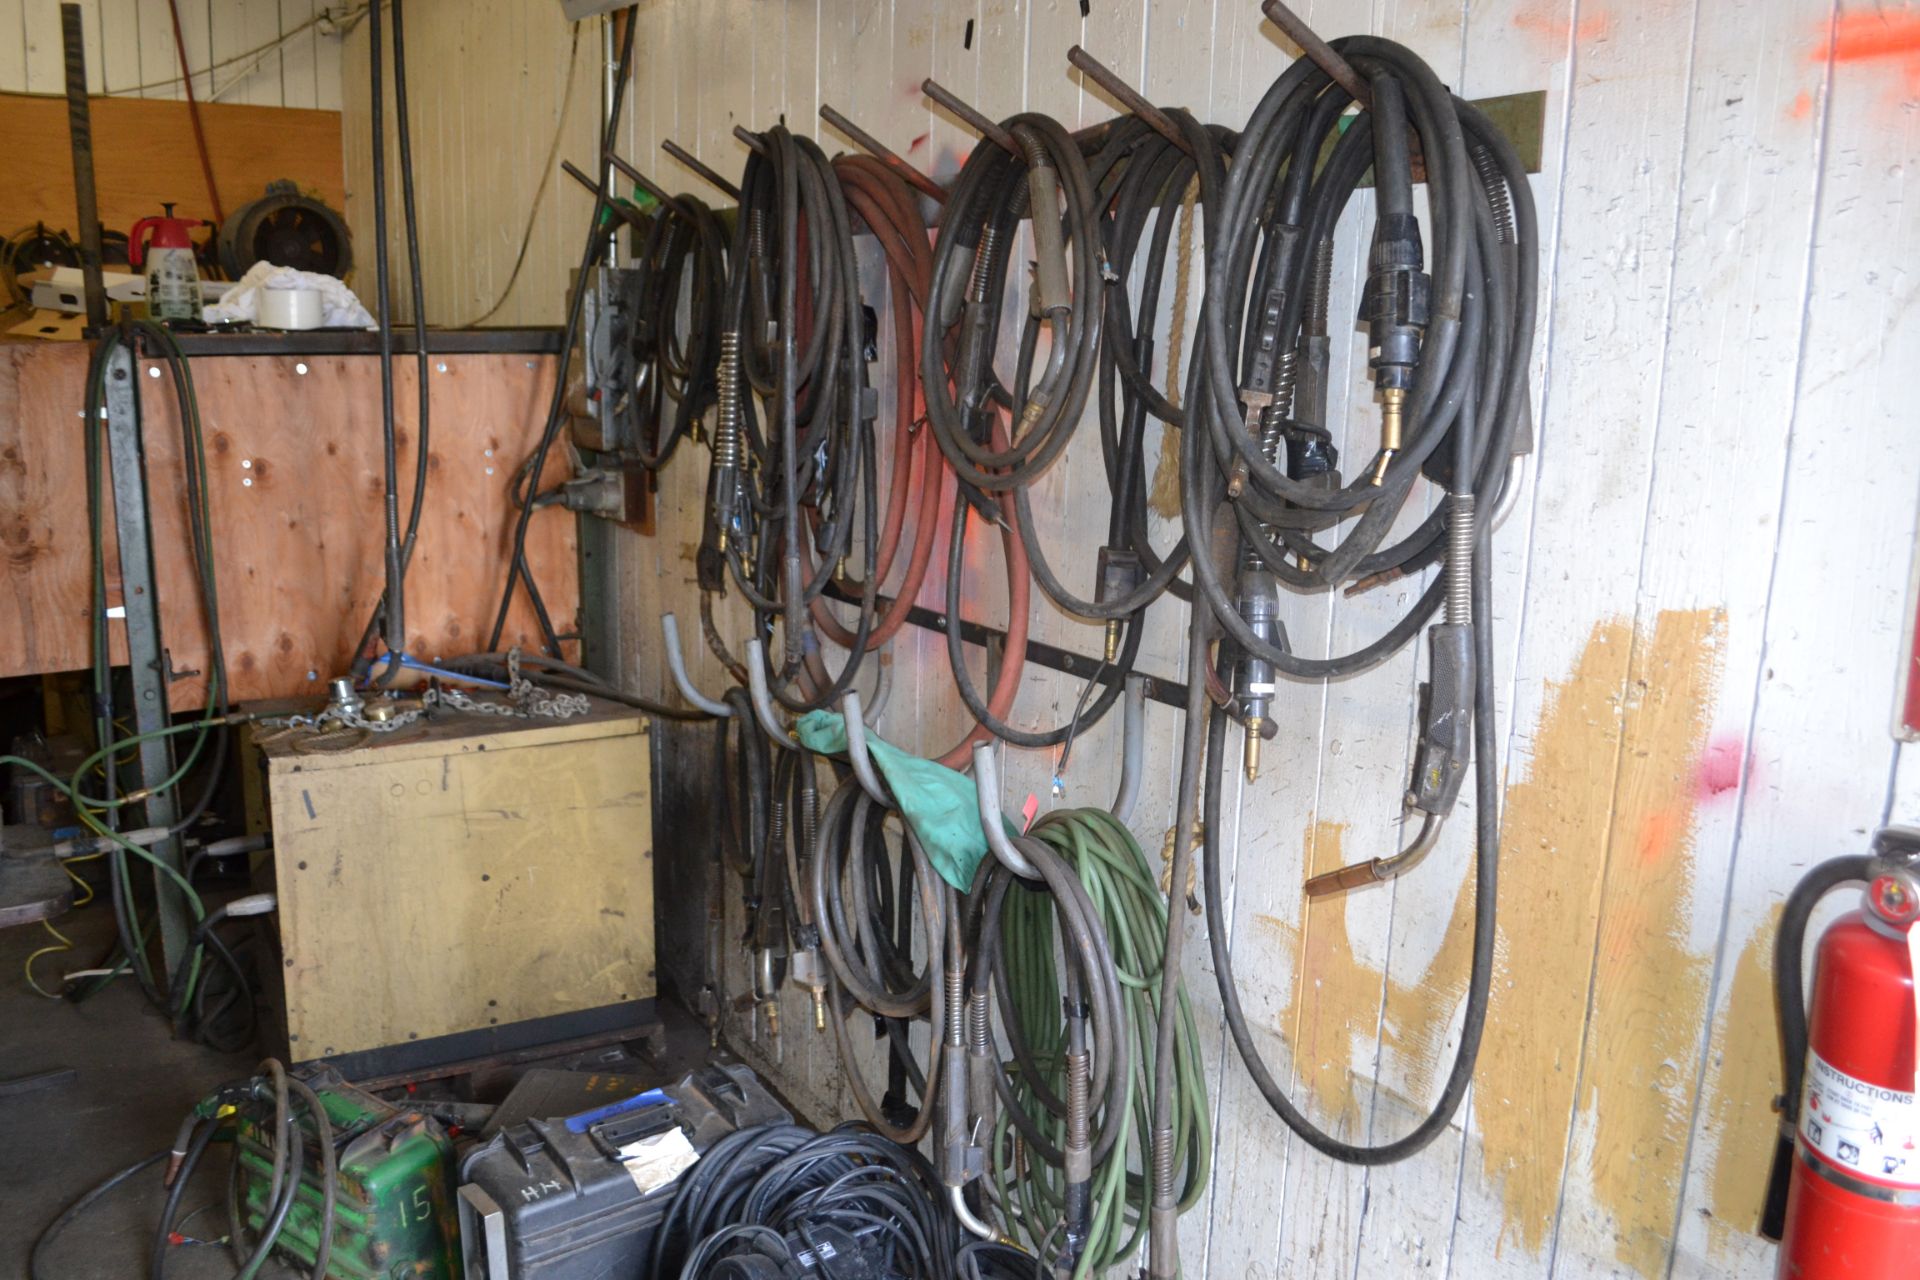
<point x="134" y="1084"/>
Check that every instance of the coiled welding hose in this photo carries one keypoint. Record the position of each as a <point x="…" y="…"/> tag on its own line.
<point x="891" y="212"/>
<point x="994" y="461"/>
<point x="671" y="370"/>
<point x="785" y="503"/>
<point x="866" y="920"/>
<point x="758" y="1187"/>
<point x="1140" y="178"/>
<point x="1074" y="1099"/>
<point x="1449" y="360"/>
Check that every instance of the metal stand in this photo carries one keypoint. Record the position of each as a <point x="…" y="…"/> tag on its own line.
<point x="147" y="657"/>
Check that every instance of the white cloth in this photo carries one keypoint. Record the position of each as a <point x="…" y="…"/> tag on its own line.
<point x="340" y="309"/>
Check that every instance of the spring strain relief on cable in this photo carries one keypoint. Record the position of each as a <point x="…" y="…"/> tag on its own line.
<point x="979" y="1028"/>
<point x="956" y="982"/>
<point x="1163" y="1166"/>
<point x="1460" y="521"/>
<point x="1498" y="197"/>
<point x="726" y="443"/>
<point x="983" y="253"/>
<point x="1079" y="1073"/>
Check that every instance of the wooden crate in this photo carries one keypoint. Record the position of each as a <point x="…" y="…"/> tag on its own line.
<point x="465" y="888"/>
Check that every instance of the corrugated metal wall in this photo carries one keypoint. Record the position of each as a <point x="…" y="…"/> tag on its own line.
<point x="1699" y="594"/>
<point x="271" y="53"/>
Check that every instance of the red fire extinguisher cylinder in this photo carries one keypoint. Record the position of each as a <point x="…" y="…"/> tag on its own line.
<point x="1853" y="1204"/>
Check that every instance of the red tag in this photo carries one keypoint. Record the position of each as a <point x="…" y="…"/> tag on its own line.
<point x="1028" y="810"/>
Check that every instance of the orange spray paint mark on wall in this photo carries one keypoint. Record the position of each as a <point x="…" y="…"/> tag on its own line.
<point x="1882" y="39"/>
<point x="1555" y="27"/>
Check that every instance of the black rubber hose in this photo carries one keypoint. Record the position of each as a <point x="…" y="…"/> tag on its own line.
<point x="517" y="567"/>
<point x="394" y="625"/>
<point x="203" y="1136"/>
<point x="1486" y="890"/>
<point x="329" y="1173"/>
<point x="1789" y="967"/>
<point x="35" y="1268"/>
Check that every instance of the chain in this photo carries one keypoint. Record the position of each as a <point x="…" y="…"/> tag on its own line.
<point x="525" y="700"/>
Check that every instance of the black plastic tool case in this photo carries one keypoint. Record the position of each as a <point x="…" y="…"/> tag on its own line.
<point x="539" y="1202"/>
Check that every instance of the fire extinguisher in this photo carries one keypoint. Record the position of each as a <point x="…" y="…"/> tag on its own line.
<point x="1845" y="1196"/>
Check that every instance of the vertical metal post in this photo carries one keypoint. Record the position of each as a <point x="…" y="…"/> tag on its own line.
<point x="147" y="658"/>
<point x="80" y="134"/>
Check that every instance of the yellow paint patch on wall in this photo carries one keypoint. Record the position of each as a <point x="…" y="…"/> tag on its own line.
<point x="1742" y="1081"/>
<point x="1553" y="838"/>
<point x="1596" y="871"/>
<point x="1650" y="987"/>
<point x="1334" y="997"/>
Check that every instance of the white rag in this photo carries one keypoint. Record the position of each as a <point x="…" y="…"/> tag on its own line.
<point x="340" y="309"/>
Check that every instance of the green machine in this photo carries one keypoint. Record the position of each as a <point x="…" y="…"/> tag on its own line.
<point x="394" y="1216"/>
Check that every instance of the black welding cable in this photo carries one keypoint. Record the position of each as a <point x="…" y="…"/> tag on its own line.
<point x="384" y="610"/>
<point x="329" y="1173"/>
<point x="36" y="1260"/>
<point x="394" y="623"/>
<point x="1486" y="886"/>
<point x="203" y="1135"/>
<point x="1467" y="386"/>
<point x="517" y="567"/>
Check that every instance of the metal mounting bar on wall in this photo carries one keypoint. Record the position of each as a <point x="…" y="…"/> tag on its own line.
<point x="883" y="153"/>
<point x="694" y="163"/>
<point x="1171" y="692"/>
<point x="973" y="119"/>
<point x="1128" y="96"/>
<point x="148" y="666"/>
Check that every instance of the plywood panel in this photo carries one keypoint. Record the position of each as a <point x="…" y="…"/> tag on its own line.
<point x="294" y="470"/>
<point x="144" y="154"/>
<point x="535" y="840"/>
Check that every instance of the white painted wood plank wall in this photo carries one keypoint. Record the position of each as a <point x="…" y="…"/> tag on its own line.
<point x="1698" y="593"/>
<point x="274" y="53"/>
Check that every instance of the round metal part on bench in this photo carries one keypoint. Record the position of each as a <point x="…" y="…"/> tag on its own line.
<point x="287" y="229"/>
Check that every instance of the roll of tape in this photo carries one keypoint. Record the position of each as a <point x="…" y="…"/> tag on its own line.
<point x="290" y="308"/>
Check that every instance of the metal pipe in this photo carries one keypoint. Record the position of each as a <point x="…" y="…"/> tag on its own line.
<point x="870" y="781"/>
<point x="986" y="789"/>
<point x="763" y="697"/>
<point x="967" y="1217"/>
<point x="1320" y="51"/>
<point x="883" y="153"/>
<point x="754" y="141"/>
<point x="883" y="687"/>
<point x="973" y="119"/>
<point x="670" y="628"/>
<point x="1129" y="98"/>
<point x="80" y="136"/>
<point x="1374" y="870"/>
<point x="653" y="189"/>
<point x="692" y="162"/>
<point x="1133" y="732"/>
<point x="618" y="209"/>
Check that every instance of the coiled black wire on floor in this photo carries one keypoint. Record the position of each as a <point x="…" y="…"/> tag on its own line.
<point x="759" y="1192"/>
<point x="1261" y="486"/>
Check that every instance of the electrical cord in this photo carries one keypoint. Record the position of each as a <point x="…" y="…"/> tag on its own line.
<point x="518" y="569"/>
<point x="759" y="1187"/>
<point x="36" y="1268"/>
